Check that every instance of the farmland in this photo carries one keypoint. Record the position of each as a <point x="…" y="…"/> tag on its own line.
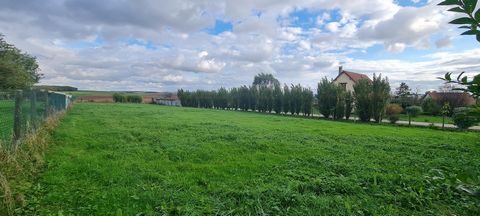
<point x="106" y="96"/>
<point x="108" y="159"/>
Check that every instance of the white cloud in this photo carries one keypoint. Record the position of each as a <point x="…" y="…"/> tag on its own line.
<point x="409" y="26"/>
<point x="395" y="47"/>
<point x="333" y="26"/>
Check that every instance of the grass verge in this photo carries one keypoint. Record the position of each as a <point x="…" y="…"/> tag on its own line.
<point x="20" y="164"/>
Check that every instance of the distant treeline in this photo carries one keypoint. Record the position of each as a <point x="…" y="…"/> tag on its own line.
<point x="55" y="88"/>
<point x="265" y="95"/>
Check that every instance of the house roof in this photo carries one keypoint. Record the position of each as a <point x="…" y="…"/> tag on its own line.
<point x="353" y="76"/>
<point x="467" y="98"/>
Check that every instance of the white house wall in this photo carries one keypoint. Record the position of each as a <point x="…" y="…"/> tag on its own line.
<point x="345" y="79"/>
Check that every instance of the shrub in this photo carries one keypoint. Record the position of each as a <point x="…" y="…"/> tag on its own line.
<point x="134" y="99"/>
<point x="462" y="119"/>
<point x="430" y="106"/>
<point x="119" y="98"/>
<point x="393" y="118"/>
<point x="392" y="111"/>
<point x="414" y="111"/>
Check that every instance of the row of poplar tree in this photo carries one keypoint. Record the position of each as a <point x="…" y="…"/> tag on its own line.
<point x="368" y="99"/>
<point x="264" y="95"/>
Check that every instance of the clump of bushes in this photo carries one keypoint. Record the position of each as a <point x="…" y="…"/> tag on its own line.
<point x="134" y="99"/>
<point x="431" y="107"/>
<point x="462" y="119"/>
<point x="392" y="111"/>
<point x="121" y="98"/>
<point x="414" y="111"/>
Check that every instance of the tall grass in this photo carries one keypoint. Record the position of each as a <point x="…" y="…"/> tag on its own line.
<point x="20" y="163"/>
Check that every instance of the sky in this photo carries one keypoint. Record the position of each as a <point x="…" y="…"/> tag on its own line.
<point x="159" y="45"/>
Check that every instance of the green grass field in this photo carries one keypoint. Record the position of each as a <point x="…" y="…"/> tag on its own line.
<point x="7" y="108"/>
<point x="108" y="159"/>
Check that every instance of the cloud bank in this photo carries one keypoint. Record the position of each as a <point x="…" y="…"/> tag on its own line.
<point x="166" y="45"/>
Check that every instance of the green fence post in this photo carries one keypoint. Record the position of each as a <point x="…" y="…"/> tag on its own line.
<point x="33" y="106"/>
<point x="17" y="120"/>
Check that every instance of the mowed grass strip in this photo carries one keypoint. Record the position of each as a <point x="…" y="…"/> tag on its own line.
<point x="112" y="158"/>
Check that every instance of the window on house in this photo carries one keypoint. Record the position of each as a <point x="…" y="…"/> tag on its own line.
<point x="344" y="85"/>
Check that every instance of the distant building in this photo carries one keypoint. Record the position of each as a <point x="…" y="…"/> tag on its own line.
<point x="347" y="79"/>
<point x="168" y="100"/>
<point x="455" y="99"/>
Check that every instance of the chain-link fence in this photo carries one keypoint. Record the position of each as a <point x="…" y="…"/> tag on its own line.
<point x="22" y="111"/>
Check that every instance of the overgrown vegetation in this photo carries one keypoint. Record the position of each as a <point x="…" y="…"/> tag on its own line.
<point x="152" y="160"/>
<point x="20" y="166"/>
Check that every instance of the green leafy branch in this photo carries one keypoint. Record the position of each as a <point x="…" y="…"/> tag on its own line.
<point x="471" y="21"/>
<point x="471" y="86"/>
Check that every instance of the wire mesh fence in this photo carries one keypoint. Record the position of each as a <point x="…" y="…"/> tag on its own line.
<point x="23" y="111"/>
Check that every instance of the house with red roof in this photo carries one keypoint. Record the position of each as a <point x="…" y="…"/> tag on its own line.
<point x="455" y="99"/>
<point x="347" y="79"/>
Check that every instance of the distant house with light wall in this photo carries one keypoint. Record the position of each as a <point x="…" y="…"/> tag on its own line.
<point x="168" y="100"/>
<point x="347" y="79"/>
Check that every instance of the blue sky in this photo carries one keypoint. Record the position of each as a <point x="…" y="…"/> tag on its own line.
<point x="204" y="45"/>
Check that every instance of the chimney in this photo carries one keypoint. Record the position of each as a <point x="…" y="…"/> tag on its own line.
<point x="340" y="69"/>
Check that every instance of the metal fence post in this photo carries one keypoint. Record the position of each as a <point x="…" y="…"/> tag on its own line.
<point x="33" y="105"/>
<point x="17" y="120"/>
